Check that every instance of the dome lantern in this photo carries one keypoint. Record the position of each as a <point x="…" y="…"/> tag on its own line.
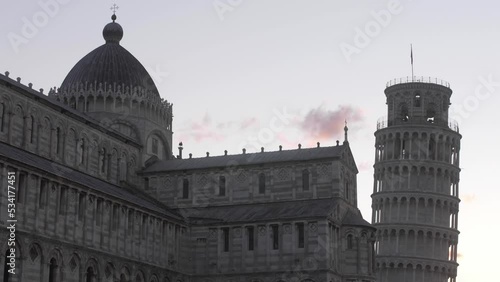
<point x="113" y="32"/>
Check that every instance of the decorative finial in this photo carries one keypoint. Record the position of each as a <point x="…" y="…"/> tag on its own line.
<point x="345" y="132"/>
<point x="180" y="150"/>
<point x="113" y="32"/>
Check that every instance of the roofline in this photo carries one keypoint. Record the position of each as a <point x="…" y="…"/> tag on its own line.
<point x="63" y="109"/>
<point x="260" y="203"/>
<point x="348" y="148"/>
<point x="143" y="172"/>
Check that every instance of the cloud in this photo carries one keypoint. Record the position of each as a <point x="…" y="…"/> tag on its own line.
<point x="469" y="198"/>
<point x="248" y="122"/>
<point x="323" y="124"/>
<point x="200" y="131"/>
<point x="365" y="165"/>
<point x="317" y="124"/>
<point x="206" y="129"/>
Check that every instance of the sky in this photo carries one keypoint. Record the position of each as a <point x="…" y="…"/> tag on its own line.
<point x="264" y="73"/>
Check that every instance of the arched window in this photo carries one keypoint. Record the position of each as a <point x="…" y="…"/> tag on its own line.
<point x="225" y="239"/>
<point x="81" y="206"/>
<point x="102" y="160"/>
<point x="404" y="114"/>
<point x="154" y="146"/>
<point x="349" y="242"/>
<point x="305" y="180"/>
<point x="32" y="129"/>
<point x="300" y="234"/>
<point x="2" y="116"/>
<point x="185" y="188"/>
<point x="122" y="167"/>
<point x="53" y="270"/>
<point x="431" y="115"/>
<point x="275" y="236"/>
<point x="346" y="189"/>
<point x="58" y="141"/>
<point x="144" y="226"/>
<point x="116" y="218"/>
<point x="98" y="215"/>
<point x="262" y="183"/>
<point x="90" y="275"/>
<point x="81" y="150"/>
<point x="72" y="103"/>
<point x="222" y="185"/>
<point x="432" y="149"/>
<point x="416" y="101"/>
<point x="42" y="197"/>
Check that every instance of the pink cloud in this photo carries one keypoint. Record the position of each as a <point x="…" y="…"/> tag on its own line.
<point x="248" y="122"/>
<point x="202" y="130"/>
<point x="365" y="166"/>
<point x="322" y="124"/>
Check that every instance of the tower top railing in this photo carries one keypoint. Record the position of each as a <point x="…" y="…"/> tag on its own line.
<point x="418" y="79"/>
<point x="383" y="122"/>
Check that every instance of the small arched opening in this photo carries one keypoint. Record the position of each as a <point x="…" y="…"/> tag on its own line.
<point x="90" y="275"/>
<point x="53" y="267"/>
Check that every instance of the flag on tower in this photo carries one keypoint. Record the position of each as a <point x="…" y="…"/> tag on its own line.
<point x="411" y="58"/>
<point x="411" y="54"/>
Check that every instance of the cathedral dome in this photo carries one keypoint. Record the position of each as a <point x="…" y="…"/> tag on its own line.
<point x="110" y="66"/>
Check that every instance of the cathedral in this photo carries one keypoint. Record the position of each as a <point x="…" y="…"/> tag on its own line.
<point x="100" y="195"/>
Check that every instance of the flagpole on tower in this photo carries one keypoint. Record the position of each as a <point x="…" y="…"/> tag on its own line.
<point x="411" y="57"/>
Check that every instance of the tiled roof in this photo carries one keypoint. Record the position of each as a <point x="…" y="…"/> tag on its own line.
<point x="261" y="211"/>
<point x="355" y="219"/>
<point x="247" y="159"/>
<point x="81" y="178"/>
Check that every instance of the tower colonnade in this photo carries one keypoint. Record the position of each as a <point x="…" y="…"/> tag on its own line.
<point x="415" y="200"/>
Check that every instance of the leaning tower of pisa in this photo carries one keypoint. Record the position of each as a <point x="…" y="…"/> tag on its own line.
<point x="415" y="195"/>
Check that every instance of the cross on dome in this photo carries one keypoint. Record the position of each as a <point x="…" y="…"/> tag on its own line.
<point x="114" y="8"/>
